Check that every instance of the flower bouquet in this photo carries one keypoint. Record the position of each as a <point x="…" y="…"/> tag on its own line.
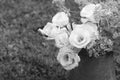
<point x="95" y="32"/>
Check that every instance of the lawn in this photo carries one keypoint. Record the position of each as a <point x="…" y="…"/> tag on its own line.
<point x="24" y="53"/>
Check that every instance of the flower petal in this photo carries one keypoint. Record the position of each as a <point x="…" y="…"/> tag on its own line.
<point x="62" y="40"/>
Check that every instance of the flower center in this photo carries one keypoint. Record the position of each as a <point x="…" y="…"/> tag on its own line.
<point x="80" y="39"/>
<point x="66" y="58"/>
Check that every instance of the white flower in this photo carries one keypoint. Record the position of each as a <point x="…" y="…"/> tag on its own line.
<point x="87" y="13"/>
<point x="62" y="39"/>
<point x="51" y="30"/>
<point x="60" y="19"/>
<point x="79" y="38"/>
<point x="83" y="34"/>
<point x="68" y="58"/>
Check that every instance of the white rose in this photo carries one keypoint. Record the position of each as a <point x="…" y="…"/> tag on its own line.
<point x="83" y="34"/>
<point x="60" y="19"/>
<point x="68" y="58"/>
<point x="87" y="13"/>
<point x="62" y="39"/>
<point x="51" y="30"/>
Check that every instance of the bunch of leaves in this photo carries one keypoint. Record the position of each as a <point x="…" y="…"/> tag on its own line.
<point x="109" y="24"/>
<point x="109" y="27"/>
<point x="101" y="47"/>
<point x="107" y="11"/>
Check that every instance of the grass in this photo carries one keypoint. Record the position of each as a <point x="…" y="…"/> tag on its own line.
<point x="24" y="53"/>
